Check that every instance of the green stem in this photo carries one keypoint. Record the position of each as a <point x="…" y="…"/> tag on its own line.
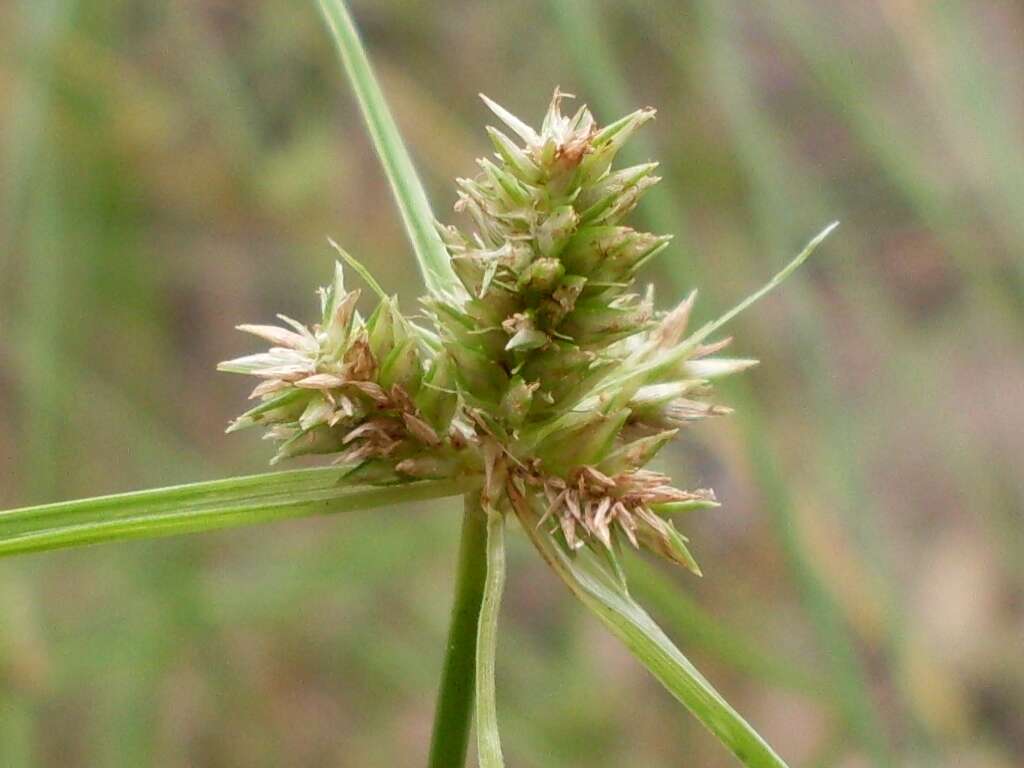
<point x="455" y="697"/>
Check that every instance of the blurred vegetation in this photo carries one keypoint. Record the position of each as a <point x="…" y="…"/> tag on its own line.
<point x="168" y="168"/>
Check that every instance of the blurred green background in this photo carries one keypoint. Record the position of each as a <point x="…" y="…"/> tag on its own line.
<point x="168" y="169"/>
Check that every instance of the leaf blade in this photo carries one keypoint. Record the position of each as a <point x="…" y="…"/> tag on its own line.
<point x="777" y="279"/>
<point x="488" y="740"/>
<point x="204" y="506"/>
<point x="612" y="604"/>
<point x="398" y="166"/>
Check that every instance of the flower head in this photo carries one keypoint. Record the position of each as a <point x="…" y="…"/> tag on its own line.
<point x="550" y="376"/>
<point x="348" y="386"/>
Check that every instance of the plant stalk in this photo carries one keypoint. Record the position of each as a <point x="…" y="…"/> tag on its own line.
<point x="455" y="696"/>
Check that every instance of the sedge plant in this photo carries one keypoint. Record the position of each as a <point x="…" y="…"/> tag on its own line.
<point x="537" y="383"/>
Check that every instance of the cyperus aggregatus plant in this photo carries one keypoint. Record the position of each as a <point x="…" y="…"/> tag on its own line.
<point x="542" y="389"/>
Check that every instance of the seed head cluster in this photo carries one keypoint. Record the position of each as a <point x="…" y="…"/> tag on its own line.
<point x="545" y="372"/>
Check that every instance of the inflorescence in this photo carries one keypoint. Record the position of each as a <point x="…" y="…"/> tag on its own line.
<point x="546" y="373"/>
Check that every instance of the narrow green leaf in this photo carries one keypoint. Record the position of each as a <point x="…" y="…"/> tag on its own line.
<point x="361" y="270"/>
<point x="628" y="382"/>
<point x="779" y="277"/>
<point x="488" y="741"/>
<point x="408" y="190"/>
<point x="727" y="645"/>
<point x="607" y="599"/>
<point x="203" y="507"/>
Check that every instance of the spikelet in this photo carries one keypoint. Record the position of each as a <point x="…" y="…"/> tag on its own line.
<point x="351" y="387"/>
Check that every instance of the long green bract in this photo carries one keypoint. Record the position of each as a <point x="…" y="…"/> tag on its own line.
<point x="488" y="741"/>
<point x="630" y="374"/>
<point x="205" y="506"/>
<point x="635" y="374"/>
<point x="608" y="599"/>
<point x="408" y="190"/>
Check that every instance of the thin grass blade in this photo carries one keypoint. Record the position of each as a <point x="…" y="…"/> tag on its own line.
<point x="488" y="741"/>
<point x="685" y="617"/>
<point x="405" y="183"/>
<point x="606" y="598"/>
<point x="768" y="287"/>
<point x="204" y="507"/>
